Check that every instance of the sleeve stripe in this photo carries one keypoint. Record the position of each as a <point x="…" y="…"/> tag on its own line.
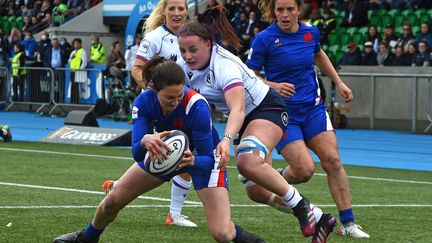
<point x="141" y="58"/>
<point x="233" y="86"/>
<point x="190" y="99"/>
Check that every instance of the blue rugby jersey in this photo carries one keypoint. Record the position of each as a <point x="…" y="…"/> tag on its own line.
<point x="192" y="116"/>
<point x="289" y="57"/>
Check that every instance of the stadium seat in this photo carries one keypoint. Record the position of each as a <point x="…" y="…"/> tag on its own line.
<point x="339" y="20"/>
<point x="333" y="49"/>
<point x="398" y="20"/>
<point x="340" y="13"/>
<point x="364" y="30"/>
<point x="333" y="39"/>
<point x="345" y="39"/>
<point x="375" y="20"/>
<point x="20" y="22"/>
<point x="358" y="38"/>
<point x="385" y="20"/>
<point x="405" y="12"/>
<point x="412" y="18"/>
<point x="415" y="29"/>
<point x="429" y="11"/>
<point x="352" y="30"/>
<point x="394" y="12"/>
<point x="379" y="12"/>
<point x="420" y="11"/>
<point x="398" y="29"/>
<point x="338" y="56"/>
<point x="425" y="17"/>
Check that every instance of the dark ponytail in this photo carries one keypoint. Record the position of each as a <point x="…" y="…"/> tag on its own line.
<point x="159" y="72"/>
<point x="213" y="21"/>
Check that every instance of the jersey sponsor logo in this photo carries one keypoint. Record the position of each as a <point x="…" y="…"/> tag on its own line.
<point x="145" y="45"/>
<point x="208" y="79"/>
<point x="307" y="37"/>
<point x="173" y="57"/>
<point x="284" y="117"/>
<point x="189" y="74"/>
<point x="134" y="112"/>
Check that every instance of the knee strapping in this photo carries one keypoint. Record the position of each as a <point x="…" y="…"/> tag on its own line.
<point x="252" y="145"/>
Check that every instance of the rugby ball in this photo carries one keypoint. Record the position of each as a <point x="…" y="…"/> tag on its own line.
<point x="178" y="143"/>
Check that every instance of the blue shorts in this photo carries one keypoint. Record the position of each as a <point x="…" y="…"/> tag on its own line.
<point x="272" y="108"/>
<point x="200" y="179"/>
<point x="305" y="123"/>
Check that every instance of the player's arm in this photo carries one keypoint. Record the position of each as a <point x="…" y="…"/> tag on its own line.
<point x="137" y="72"/>
<point x="143" y="140"/>
<point x="202" y="136"/>
<point x="324" y="64"/>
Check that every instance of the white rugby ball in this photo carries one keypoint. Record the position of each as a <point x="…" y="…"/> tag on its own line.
<point x="178" y="143"/>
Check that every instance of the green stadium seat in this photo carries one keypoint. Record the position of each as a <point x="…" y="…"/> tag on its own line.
<point x="398" y="29"/>
<point x="333" y="49"/>
<point x="412" y="18"/>
<point x="358" y="38"/>
<point x="325" y="47"/>
<point x="364" y="30"/>
<point x="345" y="39"/>
<point x="379" y="12"/>
<point x="375" y="20"/>
<point x="420" y="11"/>
<point x="429" y="11"/>
<point x="333" y="39"/>
<point x="425" y="17"/>
<point x="338" y="56"/>
<point x="339" y="20"/>
<point x="405" y="12"/>
<point x="415" y="29"/>
<point x="394" y="12"/>
<point x="385" y="20"/>
<point x="398" y="20"/>
<point x="330" y="55"/>
<point x="340" y="13"/>
<point x="340" y="30"/>
<point x="352" y="30"/>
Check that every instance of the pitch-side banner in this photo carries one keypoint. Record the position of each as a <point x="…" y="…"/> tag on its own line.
<point x="90" y="135"/>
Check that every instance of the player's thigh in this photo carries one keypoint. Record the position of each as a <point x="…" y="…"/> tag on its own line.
<point x="216" y="207"/>
<point x="324" y="145"/>
<point x="266" y="131"/>
<point x="134" y="182"/>
<point x="297" y="156"/>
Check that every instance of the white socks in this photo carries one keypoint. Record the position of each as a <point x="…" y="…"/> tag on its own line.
<point x="292" y="197"/>
<point x="179" y="190"/>
<point x="277" y="203"/>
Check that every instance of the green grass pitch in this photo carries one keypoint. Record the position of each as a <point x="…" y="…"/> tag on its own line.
<point x="391" y="205"/>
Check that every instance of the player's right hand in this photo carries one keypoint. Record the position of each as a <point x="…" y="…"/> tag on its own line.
<point x="285" y="90"/>
<point x="154" y="144"/>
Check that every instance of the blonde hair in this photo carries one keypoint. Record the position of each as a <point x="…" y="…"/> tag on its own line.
<point x="157" y="18"/>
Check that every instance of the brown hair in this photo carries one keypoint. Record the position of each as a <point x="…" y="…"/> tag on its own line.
<point x="161" y="72"/>
<point x="267" y="8"/>
<point x="212" y="22"/>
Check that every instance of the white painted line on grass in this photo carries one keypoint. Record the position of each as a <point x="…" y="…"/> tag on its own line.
<point x="196" y="206"/>
<point x="83" y="191"/>
<point x="230" y="167"/>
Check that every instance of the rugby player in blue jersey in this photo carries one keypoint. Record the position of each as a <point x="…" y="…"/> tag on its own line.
<point x="166" y="106"/>
<point x="287" y="51"/>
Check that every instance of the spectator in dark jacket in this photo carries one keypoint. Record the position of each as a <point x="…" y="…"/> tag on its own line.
<point x="369" y="57"/>
<point x="55" y="57"/>
<point x="374" y="37"/>
<point x="406" y="38"/>
<point x="422" y="58"/>
<point x="400" y="59"/>
<point x="43" y="45"/>
<point x="352" y="56"/>
<point x="356" y="14"/>
<point x="425" y="34"/>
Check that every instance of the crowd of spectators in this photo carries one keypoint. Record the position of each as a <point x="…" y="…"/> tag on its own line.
<point x="40" y="14"/>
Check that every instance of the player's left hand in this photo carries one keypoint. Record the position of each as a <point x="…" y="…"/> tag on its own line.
<point x="188" y="160"/>
<point x="345" y="92"/>
<point x="223" y="150"/>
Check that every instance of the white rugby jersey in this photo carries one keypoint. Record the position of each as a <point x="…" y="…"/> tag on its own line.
<point x="224" y="72"/>
<point x="159" y="42"/>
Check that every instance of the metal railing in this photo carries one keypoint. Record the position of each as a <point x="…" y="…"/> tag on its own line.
<point x="414" y="91"/>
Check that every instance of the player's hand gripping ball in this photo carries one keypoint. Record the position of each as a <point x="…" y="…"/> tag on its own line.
<point x="178" y="143"/>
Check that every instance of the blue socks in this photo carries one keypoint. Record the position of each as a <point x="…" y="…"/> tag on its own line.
<point x="92" y="233"/>
<point x="238" y="233"/>
<point x="346" y="216"/>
